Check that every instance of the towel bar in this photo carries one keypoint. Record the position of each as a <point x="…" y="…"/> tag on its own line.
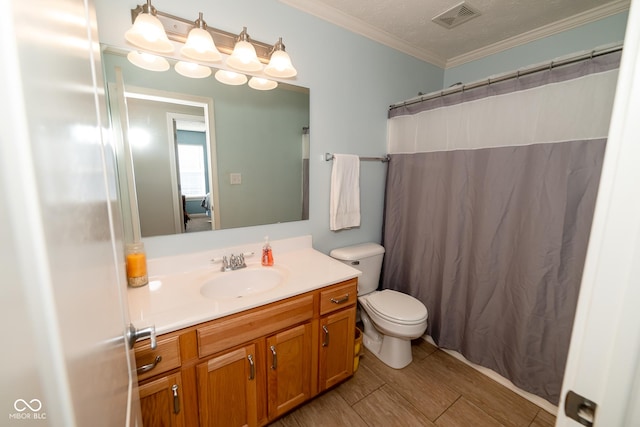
<point x="329" y="156"/>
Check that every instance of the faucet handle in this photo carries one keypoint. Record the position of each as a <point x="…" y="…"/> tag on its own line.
<point x="225" y="264"/>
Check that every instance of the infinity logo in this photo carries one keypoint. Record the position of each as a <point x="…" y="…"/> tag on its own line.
<point x="21" y="405"/>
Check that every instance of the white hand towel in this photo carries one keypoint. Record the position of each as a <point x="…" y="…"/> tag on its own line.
<point x="344" y="204"/>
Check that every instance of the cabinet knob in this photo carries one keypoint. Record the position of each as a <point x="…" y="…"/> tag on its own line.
<point x="340" y="300"/>
<point x="325" y="341"/>
<point x="146" y="368"/>
<point x="274" y="358"/>
<point x="176" y="399"/>
<point x="252" y="367"/>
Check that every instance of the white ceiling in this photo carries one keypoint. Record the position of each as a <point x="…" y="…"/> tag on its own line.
<point x="406" y="25"/>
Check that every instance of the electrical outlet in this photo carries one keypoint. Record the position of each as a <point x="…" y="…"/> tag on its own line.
<point x="235" y="178"/>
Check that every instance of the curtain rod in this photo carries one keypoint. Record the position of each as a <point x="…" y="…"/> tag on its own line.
<point x="513" y="75"/>
<point x="329" y="156"/>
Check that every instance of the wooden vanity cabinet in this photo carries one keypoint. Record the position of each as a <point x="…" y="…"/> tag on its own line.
<point x="249" y="368"/>
<point x="161" y="402"/>
<point x="228" y="390"/>
<point x="161" y="399"/>
<point x="337" y="333"/>
<point x="289" y="369"/>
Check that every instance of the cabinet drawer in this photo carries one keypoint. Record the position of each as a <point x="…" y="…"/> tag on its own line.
<point x="243" y="327"/>
<point x="168" y="350"/>
<point x="339" y="296"/>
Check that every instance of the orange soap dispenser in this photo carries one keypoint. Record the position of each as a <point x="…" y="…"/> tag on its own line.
<point x="267" y="253"/>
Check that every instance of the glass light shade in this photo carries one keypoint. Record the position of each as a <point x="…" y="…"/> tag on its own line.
<point x="259" y="83"/>
<point x="148" y="33"/>
<point x="194" y="71"/>
<point x="230" y="78"/>
<point x="244" y="57"/>
<point x="148" y="61"/>
<point x="280" y="65"/>
<point x="200" y="46"/>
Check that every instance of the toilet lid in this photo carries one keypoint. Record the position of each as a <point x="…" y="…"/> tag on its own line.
<point x="397" y="307"/>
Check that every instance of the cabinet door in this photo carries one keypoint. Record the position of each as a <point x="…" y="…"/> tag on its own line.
<point x="161" y="402"/>
<point x="289" y="369"/>
<point x="227" y="391"/>
<point x="337" y="336"/>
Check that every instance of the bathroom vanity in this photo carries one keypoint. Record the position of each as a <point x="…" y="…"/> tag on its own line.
<point x="223" y="359"/>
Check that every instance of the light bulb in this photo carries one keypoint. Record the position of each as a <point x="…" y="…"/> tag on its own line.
<point x="244" y="57"/>
<point x="259" y="83"/>
<point x="230" y="77"/>
<point x="148" y="33"/>
<point x="200" y="46"/>
<point x="194" y="71"/>
<point x="148" y="61"/>
<point x="280" y="65"/>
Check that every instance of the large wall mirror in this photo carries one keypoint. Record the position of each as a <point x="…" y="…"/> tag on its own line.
<point x="203" y="155"/>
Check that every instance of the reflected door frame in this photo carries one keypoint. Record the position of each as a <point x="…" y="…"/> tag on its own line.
<point x="172" y="129"/>
<point x="148" y="94"/>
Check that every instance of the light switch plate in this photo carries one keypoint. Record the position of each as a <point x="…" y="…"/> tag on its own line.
<point x="235" y="178"/>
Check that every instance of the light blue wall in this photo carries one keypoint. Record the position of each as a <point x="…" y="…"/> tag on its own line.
<point x="604" y="31"/>
<point x="352" y="81"/>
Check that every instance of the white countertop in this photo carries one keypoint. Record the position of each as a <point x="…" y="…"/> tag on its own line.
<point x="173" y="301"/>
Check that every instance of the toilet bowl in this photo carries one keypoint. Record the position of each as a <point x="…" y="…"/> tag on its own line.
<point x="391" y="319"/>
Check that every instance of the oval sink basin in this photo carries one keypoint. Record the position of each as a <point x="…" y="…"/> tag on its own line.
<point x="240" y="283"/>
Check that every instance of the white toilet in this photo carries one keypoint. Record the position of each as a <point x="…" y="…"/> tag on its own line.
<point x="391" y="319"/>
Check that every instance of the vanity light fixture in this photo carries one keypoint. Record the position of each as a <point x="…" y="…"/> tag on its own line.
<point x="203" y="43"/>
<point x="148" y="32"/>
<point x="192" y="70"/>
<point x="199" y="44"/>
<point x="244" y="57"/>
<point x="280" y="63"/>
<point x="230" y="78"/>
<point x="259" y="83"/>
<point x="148" y="61"/>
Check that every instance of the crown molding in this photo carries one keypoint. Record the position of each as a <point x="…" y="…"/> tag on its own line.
<point x="357" y="26"/>
<point x="591" y="15"/>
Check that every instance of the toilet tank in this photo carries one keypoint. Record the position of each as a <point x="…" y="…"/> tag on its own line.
<point x="366" y="257"/>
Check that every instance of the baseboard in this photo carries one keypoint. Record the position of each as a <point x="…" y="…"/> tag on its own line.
<point x="536" y="400"/>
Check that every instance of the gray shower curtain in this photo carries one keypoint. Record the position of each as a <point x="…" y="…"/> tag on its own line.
<point x="493" y="240"/>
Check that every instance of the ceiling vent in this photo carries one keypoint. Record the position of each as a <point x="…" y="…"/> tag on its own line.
<point x="457" y="15"/>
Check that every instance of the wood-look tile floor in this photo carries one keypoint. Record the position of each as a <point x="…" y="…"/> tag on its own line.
<point x="434" y="390"/>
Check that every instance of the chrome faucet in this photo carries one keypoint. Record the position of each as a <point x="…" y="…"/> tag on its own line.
<point x="233" y="262"/>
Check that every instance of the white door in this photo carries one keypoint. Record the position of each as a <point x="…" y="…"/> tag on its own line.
<point x="604" y="357"/>
<point x="64" y="358"/>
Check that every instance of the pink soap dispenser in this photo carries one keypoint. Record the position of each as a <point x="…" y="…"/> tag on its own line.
<point x="267" y="253"/>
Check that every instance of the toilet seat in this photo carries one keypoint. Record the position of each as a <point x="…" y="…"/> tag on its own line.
<point x="397" y="307"/>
